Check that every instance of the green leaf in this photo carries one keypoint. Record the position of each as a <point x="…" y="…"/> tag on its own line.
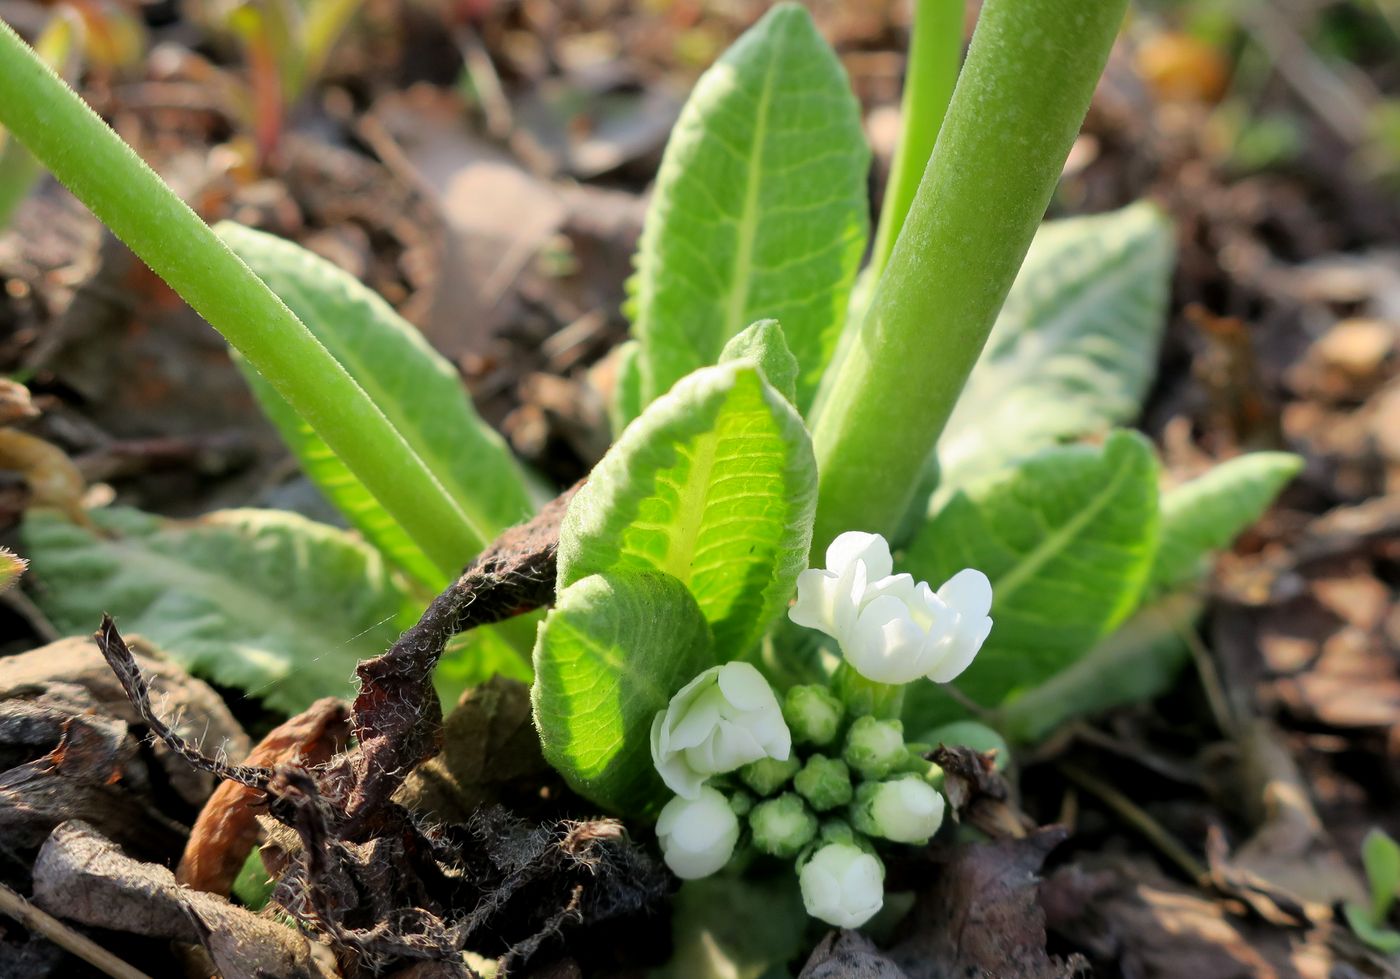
<point x="1381" y="856"/>
<point x="760" y="207"/>
<point x="475" y="656"/>
<point x="417" y="389"/>
<point x="1207" y="513"/>
<point x="1067" y="538"/>
<point x="715" y="485"/>
<point x="713" y="933"/>
<point x="764" y="346"/>
<point x="1383" y="940"/>
<point x="1074" y="348"/>
<point x="627" y="390"/>
<point x="610" y="655"/>
<point x="1138" y="661"/>
<point x="262" y="600"/>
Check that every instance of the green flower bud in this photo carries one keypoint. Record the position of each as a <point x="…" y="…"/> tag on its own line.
<point x="824" y="782"/>
<point x="768" y="775"/>
<point x="905" y="810"/>
<point x="813" y="714"/>
<point x="741" y="802"/>
<point x="875" y="747"/>
<point x="782" y="826"/>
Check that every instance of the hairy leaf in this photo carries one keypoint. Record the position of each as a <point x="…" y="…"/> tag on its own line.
<point x="1207" y="513"/>
<point x="1067" y="538"/>
<point x="266" y="601"/>
<point x="610" y="655"/>
<point x="763" y="345"/>
<point x="415" y="387"/>
<point x="759" y="210"/>
<point x="1074" y="348"/>
<point x="715" y="485"/>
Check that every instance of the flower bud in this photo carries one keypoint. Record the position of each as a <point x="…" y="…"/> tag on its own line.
<point x="741" y="802"/>
<point x="824" y="782"/>
<point x="813" y="713"/>
<point x="842" y="885"/>
<point x="782" y="826"/>
<point x="768" y="775"/>
<point x="697" y="835"/>
<point x="905" y="810"/>
<point x="722" y="720"/>
<point x="875" y="747"/>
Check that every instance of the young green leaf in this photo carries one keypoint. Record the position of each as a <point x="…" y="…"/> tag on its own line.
<point x="1074" y="348"/>
<point x="265" y="601"/>
<point x="626" y="401"/>
<point x="759" y="210"/>
<point x="1385" y="940"/>
<point x="1207" y="513"/>
<point x="764" y="346"/>
<point x="610" y="655"/>
<point x="415" y="387"/>
<point x="715" y="485"/>
<point x="1381" y="857"/>
<point x="1067" y="538"/>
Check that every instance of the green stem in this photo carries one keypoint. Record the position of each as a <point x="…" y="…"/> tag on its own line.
<point x="934" y="54"/>
<point x="866" y="697"/>
<point x="126" y="195"/>
<point x="1022" y="95"/>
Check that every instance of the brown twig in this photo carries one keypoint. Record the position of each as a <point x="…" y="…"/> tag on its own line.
<point x="64" y="937"/>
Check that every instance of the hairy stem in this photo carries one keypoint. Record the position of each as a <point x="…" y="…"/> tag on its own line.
<point x="934" y="53"/>
<point x="126" y="195"/>
<point x="1018" y="104"/>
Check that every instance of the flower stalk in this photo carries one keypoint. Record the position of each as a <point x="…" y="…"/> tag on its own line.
<point x="91" y="160"/>
<point x="1022" y="95"/>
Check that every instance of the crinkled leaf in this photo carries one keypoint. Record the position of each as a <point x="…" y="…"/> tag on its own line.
<point x="1074" y="348"/>
<point x="1067" y="538"/>
<point x="262" y="600"/>
<point x="763" y="345"/>
<point x="415" y="387"/>
<point x="715" y="485"/>
<point x="1135" y="663"/>
<point x="759" y="210"/>
<point x="610" y="655"/>
<point x="1207" y="513"/>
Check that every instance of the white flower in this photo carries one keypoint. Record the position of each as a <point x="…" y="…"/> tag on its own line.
<point x="891" y="628"/>
<point x="697" y="835"/>
<point x="722" y="720"/>
<point x="842" y="885"/>
<point x="907" y="810"/>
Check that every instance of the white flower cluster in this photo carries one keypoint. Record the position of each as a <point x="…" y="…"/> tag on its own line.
<point x="724" y="737"/>
<point x="892" y="629"/>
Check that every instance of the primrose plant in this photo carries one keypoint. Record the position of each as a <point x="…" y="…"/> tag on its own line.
<point x="941" y="436"/>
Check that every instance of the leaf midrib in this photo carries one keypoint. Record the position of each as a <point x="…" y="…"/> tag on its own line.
<point x="1007" y="584"/>
<point x="734" y="314"/>
<point x="190" y="578"/>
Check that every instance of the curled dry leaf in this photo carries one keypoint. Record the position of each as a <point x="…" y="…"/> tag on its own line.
<point x="978" y="793"/>
<point x="227" y="828"/>
<point x="849" y="955"/>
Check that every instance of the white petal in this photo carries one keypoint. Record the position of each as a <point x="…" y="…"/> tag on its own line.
<point x="744" y="687"/>
<point x="854" y="545"/>
<point x="885" y="643"/>
<point x="969" y="592"/>
<point x="961" y="651"/>
<point x="818" y="593"/>
<point x="688" y="728"/>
